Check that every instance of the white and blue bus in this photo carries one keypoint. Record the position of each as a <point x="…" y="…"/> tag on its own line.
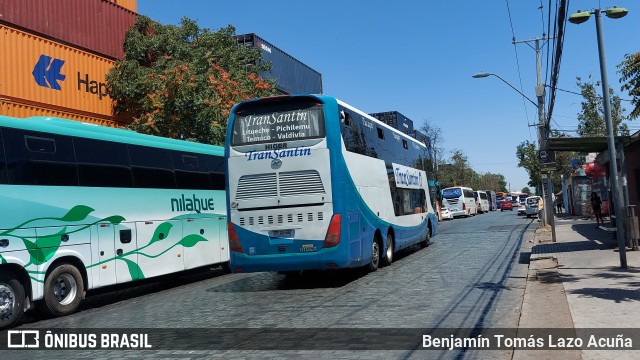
<point x="85" y="206"/>
<point x="314" y="183"/>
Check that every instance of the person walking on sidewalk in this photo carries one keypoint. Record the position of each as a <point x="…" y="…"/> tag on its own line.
<point x="596" y="205"/>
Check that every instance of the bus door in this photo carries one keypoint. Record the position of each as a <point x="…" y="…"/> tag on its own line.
<point x="106" y="254"/>
<point x="202" y="252"/>
<point x="127" y="259"/>
<point x="160" y="251"/>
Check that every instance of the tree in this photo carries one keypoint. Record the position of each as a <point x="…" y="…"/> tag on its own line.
<point x="181" y="81"/>
<point x="591" y="118"/>
<point x="434" y="133"/>
<point x="489" y="181"/>
<point x="630" y="70"/>
<point x="528" y="159"/>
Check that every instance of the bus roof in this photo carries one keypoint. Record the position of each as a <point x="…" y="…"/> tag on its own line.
<point x="60" y="126"/>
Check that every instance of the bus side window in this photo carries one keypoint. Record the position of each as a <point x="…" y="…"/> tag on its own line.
<point x="102" y="163"/>
<point x="151" y="167"/>
<point x="217" y="168"/>
<point x="191" y="171"/>
<point x="3" y="162"/>
<point x="35" y="158"/>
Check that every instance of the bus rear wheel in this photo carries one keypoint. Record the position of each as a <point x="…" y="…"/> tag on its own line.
<point x="424" y="243"/>
<point x="63" y="291"/>
<point x="388" y="254"/>
<point x="11" y="300"/>
<point x="375" y="255"/>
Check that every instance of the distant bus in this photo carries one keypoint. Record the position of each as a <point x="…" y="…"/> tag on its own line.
<point x="85" y="206"/>
<point x="460" y="201"/>
<point x="491" y="195"/>
<point x="482" y="201"/>
<point x="315" y="183"/>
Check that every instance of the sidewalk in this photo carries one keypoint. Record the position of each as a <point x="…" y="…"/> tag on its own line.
<point x="586" y="262"/>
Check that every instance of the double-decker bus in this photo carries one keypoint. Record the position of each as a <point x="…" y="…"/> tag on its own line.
<point x="85" y="206"/>
<point x="315" y="183"/>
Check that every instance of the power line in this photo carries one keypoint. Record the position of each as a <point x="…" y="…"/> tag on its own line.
<point x="515" y="49"/>
<point x="577" y="93"/>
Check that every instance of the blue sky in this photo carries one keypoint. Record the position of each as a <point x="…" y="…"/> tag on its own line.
<point x="417" y="57"/>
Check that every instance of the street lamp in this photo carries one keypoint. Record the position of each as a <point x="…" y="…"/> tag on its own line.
<point x="484" y="75"/>
<point x="549" y="216"/>
<point x="579" y="18"/>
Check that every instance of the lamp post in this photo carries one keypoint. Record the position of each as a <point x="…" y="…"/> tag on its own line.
<point x="542" y="138"/>
<point x="579" y="18"/>
<point x="484" y="75"/>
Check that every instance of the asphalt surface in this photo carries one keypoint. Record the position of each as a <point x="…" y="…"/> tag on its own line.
<point x="472" y="276"/>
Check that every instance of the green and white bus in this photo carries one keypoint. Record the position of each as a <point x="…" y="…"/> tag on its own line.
<point x="84" y="206"/>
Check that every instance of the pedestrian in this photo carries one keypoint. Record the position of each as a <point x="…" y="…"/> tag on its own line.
<point x="596" y="205"/>
<point x="559" y="204"/>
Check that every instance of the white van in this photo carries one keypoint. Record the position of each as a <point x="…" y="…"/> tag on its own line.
<point x="482" y="200"/>
<point x="460" y="201"/>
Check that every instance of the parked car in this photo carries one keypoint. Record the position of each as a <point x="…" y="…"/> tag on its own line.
<point x="532" y="203"/>
<point x="446" y="214"/>
<point x="521" y="208"/>
<point x="506" y="205"/>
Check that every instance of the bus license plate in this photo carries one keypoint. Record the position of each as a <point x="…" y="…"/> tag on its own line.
<point x="286" y="234"/>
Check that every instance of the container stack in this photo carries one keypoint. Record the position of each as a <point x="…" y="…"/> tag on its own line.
<point x="55" y="56"/>
<point x="395" y="120"/>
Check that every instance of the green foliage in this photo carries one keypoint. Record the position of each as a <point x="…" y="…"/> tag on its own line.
<point x="591" y="118"/>
<point x="526" y="190"/>
<point x="528" y="159"/>
<point x="181" y="81"/>
<point x="458" y="172"/>
<point x="630" y="70"/>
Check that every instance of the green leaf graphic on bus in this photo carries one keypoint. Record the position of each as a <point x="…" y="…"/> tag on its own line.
<point x="115" y="219"/>
<point x="45" y="246"/>
<point x="191" y="240"/>
<point x="162" y="231"/>
<point x="2" y="260"/>
<point x="134" y="269"/>
<point x="77" y="213"/>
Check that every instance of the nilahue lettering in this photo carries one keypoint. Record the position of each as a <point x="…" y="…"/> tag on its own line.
<point x="192" y="203"/>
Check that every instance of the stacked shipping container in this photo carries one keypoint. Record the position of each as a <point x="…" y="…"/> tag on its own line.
<point x="56" y="54"/>
<point x="290" y="74"/>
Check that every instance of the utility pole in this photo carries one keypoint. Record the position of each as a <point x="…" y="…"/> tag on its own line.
<point x="543" y="134"/>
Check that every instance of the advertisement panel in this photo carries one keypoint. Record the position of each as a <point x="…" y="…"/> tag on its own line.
<point x="98" y="26"/>
<point x="38" y="70"/>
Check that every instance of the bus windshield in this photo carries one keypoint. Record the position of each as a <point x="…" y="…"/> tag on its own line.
<point x="293" y="121"/>
<point x="451" y="193"/>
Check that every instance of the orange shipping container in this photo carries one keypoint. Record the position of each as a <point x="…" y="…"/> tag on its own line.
<point x="127" y="4"/>
<point x="37" y="70"/>
<point x="19" y="110"/>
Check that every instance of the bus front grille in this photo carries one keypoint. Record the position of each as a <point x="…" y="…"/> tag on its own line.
<point x="256" y="186"/>
<point x="291" y="183"/>
<point x="305" y="182"/>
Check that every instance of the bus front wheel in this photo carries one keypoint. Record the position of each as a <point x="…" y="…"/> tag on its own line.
<point x="11" y="300"/>
<point x="375" y="255"/>
<point x="63" y="291"/>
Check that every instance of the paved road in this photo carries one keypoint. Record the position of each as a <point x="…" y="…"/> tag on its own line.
<point x="471" y="276"/>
